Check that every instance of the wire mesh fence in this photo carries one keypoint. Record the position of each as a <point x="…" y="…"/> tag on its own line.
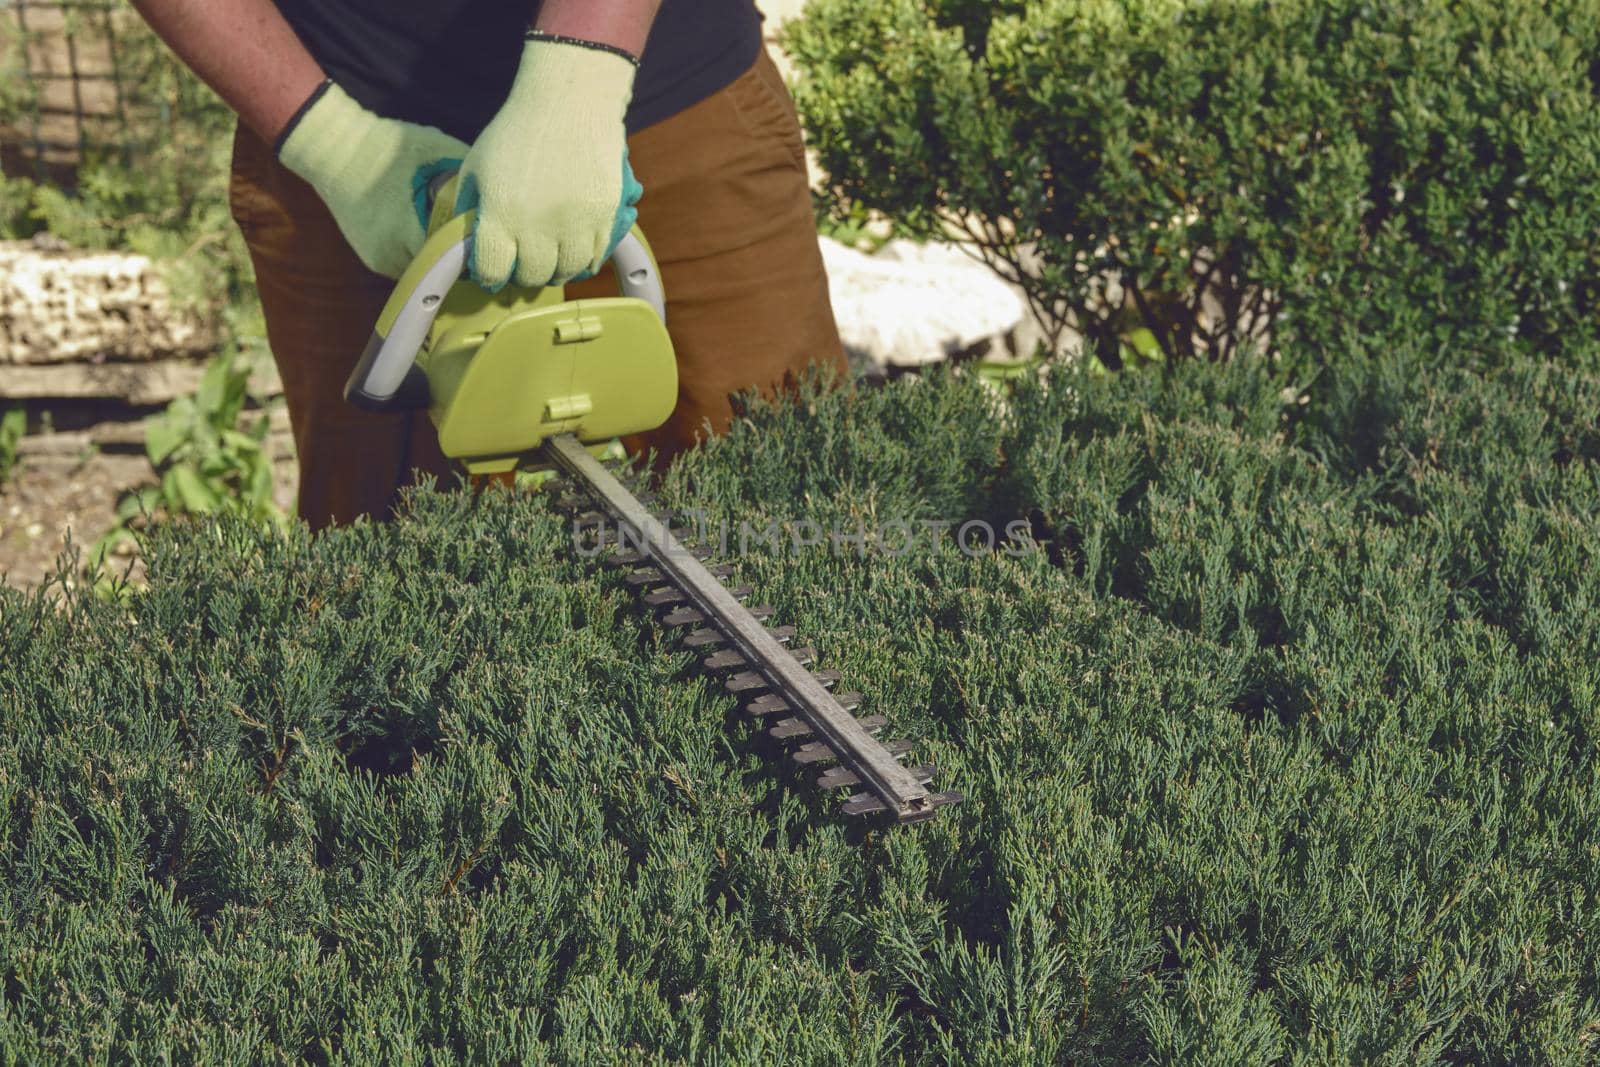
<point x="79" y="77"/>
<point x="108" y="142"/>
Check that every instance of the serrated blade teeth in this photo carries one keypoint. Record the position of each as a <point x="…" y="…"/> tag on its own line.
<point x="863" y="804"/>
<point x="652" y="576"/>
<point x="630" y="556"/>
<point x="842" y="777"/>
<point x="669" y="595"/>
<point x="814" y="752"/>
<point x="730" y="658"/>
<point x="602" y="538"/>
<point x="773" y="704"/>
<point x="868" y="804"/>
<point x="708" y="637"/>
<point x="664" y="595"/>
<point x="727" y="659"/>
<point x="790" y="728"/>
<point x="771" y="679"/>
<point x="935" y="802"/>
<point x="692" y="616"/>
<point x="684" y="617"/>
<point x="749" y="681"/>
<point x="745" y="682"/>
<point x="817" y="752"/>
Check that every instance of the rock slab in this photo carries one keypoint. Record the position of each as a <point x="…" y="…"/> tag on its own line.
<point x="71" y="306"/>
<point x="911" y="305"/>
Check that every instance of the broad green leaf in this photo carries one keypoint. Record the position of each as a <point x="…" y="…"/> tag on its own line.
<point x="163" y="436"/>
<point x="185" y="485"/>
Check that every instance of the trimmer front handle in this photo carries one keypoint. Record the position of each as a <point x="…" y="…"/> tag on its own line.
<point x="387" y="378"/>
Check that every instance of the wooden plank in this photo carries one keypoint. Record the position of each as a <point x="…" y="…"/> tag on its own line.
<point x="128" y="435"/>
<point x="156" y="382"/>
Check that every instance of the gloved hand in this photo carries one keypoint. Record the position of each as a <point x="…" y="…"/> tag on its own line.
<point x="549" y="176"/>
<point x="367" y="170"/>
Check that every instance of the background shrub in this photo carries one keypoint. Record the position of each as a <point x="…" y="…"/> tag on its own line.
<point x="1325" y="170"/>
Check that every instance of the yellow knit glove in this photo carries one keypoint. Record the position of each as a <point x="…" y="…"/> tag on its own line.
<point x="366" y="169"/>
<point x="549" y="176"/>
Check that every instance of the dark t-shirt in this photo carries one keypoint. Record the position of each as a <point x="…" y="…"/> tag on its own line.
<point x="450" y="63"/>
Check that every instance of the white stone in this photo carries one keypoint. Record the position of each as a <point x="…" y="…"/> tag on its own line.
<point x="911" y="304"/>
<point x="64" y="306"/>
<point x="780" y="11"/>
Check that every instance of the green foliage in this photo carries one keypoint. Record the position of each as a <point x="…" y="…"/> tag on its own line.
<point x="17" y="95"/>
<point x="1284" y="751"/>
<point x="206" y="462"/>
<point x="13" y="424"/>
<point x="156" y="184"/>
<point x="1316" y="170"/>
<point x="1399" y="564"/>
<point x="16" y="200"/>
<point x="853" y="225"/>
<point x="927" y="449"/>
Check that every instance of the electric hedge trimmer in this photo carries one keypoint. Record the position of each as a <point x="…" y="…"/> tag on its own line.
<point x="528" y="379"/>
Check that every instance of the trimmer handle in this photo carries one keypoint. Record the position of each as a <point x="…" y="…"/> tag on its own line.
<point x="387" y="377"/>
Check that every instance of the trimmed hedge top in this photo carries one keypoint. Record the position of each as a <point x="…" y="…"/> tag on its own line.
<point x="1283" y="749"/>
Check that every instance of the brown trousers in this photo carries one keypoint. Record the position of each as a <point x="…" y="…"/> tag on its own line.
<point x="728" y="213"/>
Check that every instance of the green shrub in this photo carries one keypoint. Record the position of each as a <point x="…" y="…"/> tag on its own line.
<point x="13" y="424"/>
<point x="1285" y="751"/>
<point x="152" y="181"/>
<point x="207" y="458"/>
<point x="1324" y="171"/>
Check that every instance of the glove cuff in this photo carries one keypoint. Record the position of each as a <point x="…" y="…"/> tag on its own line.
<point x="321" y="138"/>
<point x="598" y="46"/>
<point x="299" y="115"/>
<point x="575" y="76"/>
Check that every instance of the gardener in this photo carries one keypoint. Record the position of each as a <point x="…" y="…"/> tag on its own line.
<point x="342" y="102"/>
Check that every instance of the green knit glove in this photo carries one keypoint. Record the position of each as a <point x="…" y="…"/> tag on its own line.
<point x="549" y="176"/>
<point x="365" y="168"/>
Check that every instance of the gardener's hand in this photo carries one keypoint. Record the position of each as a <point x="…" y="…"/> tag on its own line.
<point x="370" y="171"/>
<point x="549" y="176"/>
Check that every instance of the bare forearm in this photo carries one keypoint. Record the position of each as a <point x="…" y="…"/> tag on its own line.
<point x="623" y="24"/>
<point x="245" y="51"/>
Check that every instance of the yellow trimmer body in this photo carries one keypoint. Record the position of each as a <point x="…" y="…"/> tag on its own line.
<point x="501" y="372"/>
